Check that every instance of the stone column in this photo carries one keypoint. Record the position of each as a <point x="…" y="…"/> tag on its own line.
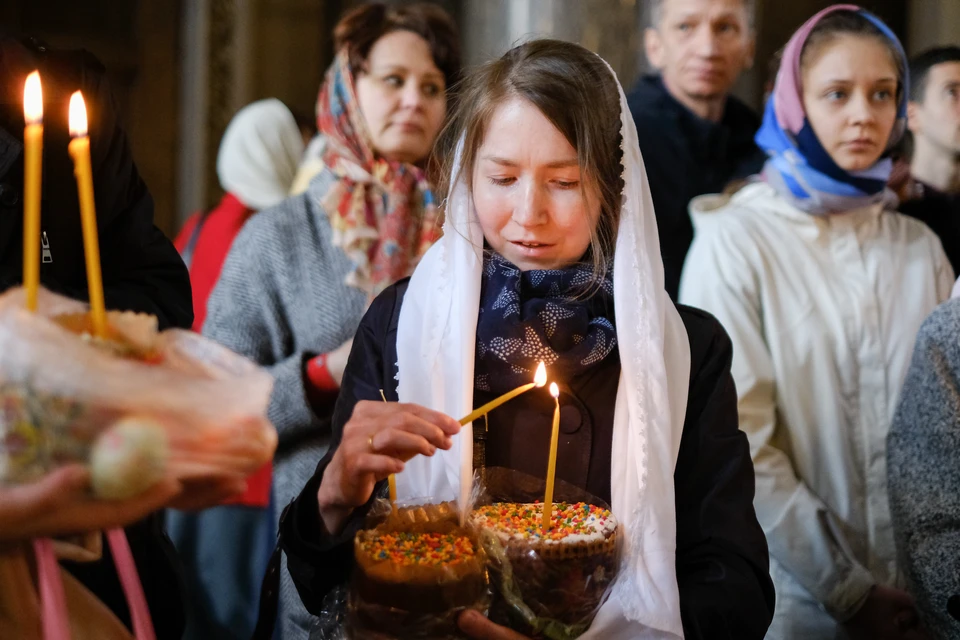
<point x="932" y="23"/>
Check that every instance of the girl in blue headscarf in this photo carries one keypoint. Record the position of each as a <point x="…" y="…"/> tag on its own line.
<point x="822" y="287"/>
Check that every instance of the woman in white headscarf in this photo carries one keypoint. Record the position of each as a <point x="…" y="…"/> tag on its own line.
<point x="550" y="252"/>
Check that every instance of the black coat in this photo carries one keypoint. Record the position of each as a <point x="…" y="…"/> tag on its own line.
<point x="686" y="156"/>
<point x="142" y="271"/>
<point x="941" y="212"/>
<point x="722" y="560"/>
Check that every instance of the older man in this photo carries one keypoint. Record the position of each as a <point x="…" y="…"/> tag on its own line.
<point x="695" y="137"/>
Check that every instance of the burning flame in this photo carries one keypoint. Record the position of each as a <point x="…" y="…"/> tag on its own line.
<point x="33" y="99"/>
<point x="554" y="390"/>
<point x="540" y="378"/>
<point x="78" y="116"/>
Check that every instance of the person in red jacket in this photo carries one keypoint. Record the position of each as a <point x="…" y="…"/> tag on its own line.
<point x="225" y="549"/>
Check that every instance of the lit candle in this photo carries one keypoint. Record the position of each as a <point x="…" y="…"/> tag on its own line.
<point x="552" y="460"/>
<point x="32" y="173"/>
<point x="466" y="436"/>
<point x="539" y="379"/>
<point x="80" y="152"/>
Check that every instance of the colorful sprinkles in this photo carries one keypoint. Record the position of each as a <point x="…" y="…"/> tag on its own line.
<point x="408" y="549"/>
<point x="524" y="520"/>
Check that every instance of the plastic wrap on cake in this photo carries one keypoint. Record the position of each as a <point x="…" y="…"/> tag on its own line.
<point x="547" y="584"/>
<point x="417" y="569"/>
<point x="67" y="396"/>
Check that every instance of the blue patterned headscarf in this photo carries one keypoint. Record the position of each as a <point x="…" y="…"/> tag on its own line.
<point x="799" y="168"/>
<point x="561" y="317"/>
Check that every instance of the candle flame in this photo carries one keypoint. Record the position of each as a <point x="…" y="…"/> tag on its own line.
<point x="554" y="390"/>
<point x="33" y="99"/>
<point x="540" y="377"/>
<point x="78" y="115"/>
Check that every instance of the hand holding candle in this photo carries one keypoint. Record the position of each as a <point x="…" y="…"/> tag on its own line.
<point x="552" y="460"/>
<point x="80" y="152"/>
<point x="32" y="174"/>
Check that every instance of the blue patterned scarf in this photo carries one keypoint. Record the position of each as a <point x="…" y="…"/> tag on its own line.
<point x="531" y="316"/>
<point x="799" y="167"/>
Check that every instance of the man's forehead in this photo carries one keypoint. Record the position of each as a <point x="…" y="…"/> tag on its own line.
<point x="945" y="72"/>
<point x="712" y="8"/>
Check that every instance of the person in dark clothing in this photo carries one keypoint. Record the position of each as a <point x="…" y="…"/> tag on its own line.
<point x="695" y="137"/>
<point x="142" y="271"/>
<point x="933" y="192"/>
<point x="541" y="183"/>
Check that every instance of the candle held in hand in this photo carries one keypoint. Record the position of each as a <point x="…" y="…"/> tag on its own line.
<point x="552" y="460"/>
<point x="32" y="175"/>
<point x="79" y="149"/>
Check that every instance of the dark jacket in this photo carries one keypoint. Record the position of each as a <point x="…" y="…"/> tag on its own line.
<point x="722" y="561"/>
<point x="941" y="212"/>
<point x="923" y="448"/>
<point x="141" y="269"/>
<point x="686" y="156"/>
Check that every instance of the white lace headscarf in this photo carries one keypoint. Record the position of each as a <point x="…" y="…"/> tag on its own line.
<point x="436" y="344"/>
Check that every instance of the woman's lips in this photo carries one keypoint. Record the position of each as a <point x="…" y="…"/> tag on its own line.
<point x="532" y="249"/>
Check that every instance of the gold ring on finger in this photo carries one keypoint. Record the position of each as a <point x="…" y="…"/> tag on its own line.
<point x="370" y="442"/>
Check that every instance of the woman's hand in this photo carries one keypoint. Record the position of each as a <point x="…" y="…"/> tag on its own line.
<point x="477" y="626"/>
<point x="377" y="440"/>
<point x="59" y="503"/>
<point x="888" y="614"/>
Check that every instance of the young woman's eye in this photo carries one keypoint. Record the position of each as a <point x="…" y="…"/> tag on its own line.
<point x="836" y="95"/>
<point x="884" y="95"/>
<point x="567" y="184"/>
<point x="503" y="182"/>
<point x="393" y="80"/>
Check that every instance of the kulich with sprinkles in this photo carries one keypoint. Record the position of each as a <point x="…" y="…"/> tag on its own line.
<point x="414" y="573"/>
<point x="562" y="576"/>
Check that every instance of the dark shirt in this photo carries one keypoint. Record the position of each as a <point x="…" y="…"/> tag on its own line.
<point x="686" y="156"/>
<point x="941" y="212"/>
<point x="722" y="560"/>
<point x="141" y="269"/>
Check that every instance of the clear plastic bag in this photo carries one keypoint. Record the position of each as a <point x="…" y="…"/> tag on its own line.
<point x="417" y="570"/>
<point x="60" y="391"/>
<point x="546" y="589"/>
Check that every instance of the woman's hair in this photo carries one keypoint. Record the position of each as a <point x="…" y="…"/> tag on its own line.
<point x="360" y="28"/>
<point x="852" y="23"/>
<point x="576" y="91"/>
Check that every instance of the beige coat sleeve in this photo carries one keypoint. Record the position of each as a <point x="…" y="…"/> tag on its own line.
<point x="804" y="536"/>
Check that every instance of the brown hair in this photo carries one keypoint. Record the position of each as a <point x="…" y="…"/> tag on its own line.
<point x="360" y="28"/>
<point x="576" y="91"/>
<point x="852" y="23"/>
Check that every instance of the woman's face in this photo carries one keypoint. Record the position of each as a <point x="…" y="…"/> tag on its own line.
<point x="850" y="96"/>
<point x="402" y="97"/>
<point x="528" y="190"/>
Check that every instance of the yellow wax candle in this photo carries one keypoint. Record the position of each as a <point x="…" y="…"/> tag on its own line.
<point x="79" y="149"/>
<point x="392" y="478"/>
<point x="466" y="436"/>
<point x="552" y="460"/>
<point x="32" y="173"/>
<point x="539" y="379"/>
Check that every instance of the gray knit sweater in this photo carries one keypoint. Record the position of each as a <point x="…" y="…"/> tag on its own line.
<point x="280" y="300"/>
<point x="923" y="465"/>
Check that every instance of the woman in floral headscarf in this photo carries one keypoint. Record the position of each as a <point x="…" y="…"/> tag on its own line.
<point x="822" y="287"/>
<point x="299" y="276"/>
